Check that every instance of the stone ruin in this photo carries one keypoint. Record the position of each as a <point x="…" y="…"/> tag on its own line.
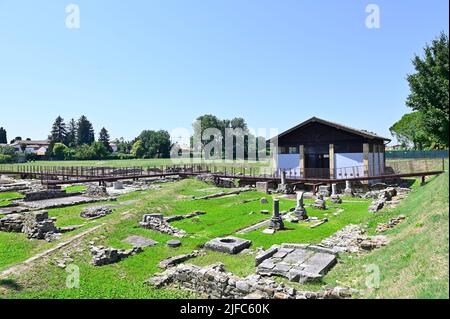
<point x="96" y="191"/>
<point x="334" y="197"/>
<point x="284" y="187"/>
<point x="139" y="241"/>
<point x="229" y="245"/>
<point x="382" y="227"/>
<point x="118" y="185"/>
<point x="319" y="203"/>
<point x="297" y="262"/>
<point x="216" y="181"/>
<point x="300" y="210"/>
<point x="96" y="211"/>
<point x="276" y="222"/>
<point x="262" y="187"/>
<point x="157" y="223"/>
<point x="381" y="197"/>
<point x="324" y="190"/>
<point x="175" y="260"/>
<point x="181" y="217"/>
<point x="352" y="239"/>
<point x="106" y="255"/>
<point x="36" y="225"/>
<point x="12" y="223"/>
<point x="376" y="205"/>
<point x="45" y="194"/>
<point x="214" y="282"/>
<point x="348" y="189"/>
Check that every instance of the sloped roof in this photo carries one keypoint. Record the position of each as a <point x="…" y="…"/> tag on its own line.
<point x="32" y="142"/>
<point x="363" y="133"/>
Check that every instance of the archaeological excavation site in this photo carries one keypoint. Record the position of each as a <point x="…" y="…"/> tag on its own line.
<point x="192" y="231"/>
<point x="223" y="158"/>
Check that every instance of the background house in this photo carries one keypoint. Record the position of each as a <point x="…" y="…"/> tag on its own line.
<point x="32" y="146"/>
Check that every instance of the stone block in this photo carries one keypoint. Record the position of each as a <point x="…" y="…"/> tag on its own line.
<point x="262" y="187"/>
<point x="230" y="245"/>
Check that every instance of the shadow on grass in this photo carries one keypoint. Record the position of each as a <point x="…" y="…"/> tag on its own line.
<point x="10" y="284"/>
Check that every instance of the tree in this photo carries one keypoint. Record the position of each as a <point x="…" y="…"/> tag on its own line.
<point x="410" y="131"/>
<point x="3" y="137"/>
<point x="153" y="144"/>
<point x="84" y="152"/>
<point x="104" y="138"/>
<point x="99" y="150"/>
<point x="85" y="131"/>
<point x="429" y="89"/>
<point x="240" y="138"/>
<point x="16" y="139"/>
<point x="71" y="138"/>
<point x="204" y="122"/>
<point x="58" y="133"/>
<point x="59" y="151"/>
<point x="123" y="146"/>
<point x="137" y="150"/>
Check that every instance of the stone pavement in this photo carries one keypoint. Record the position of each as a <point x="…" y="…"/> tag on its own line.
<point x="297" y="262"/>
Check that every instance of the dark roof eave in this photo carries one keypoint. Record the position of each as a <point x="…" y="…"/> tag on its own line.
<point x="335" y="125"/>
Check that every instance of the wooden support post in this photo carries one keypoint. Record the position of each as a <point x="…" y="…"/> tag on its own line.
<point x="366" y="159"/>
<point x="301" y="149"/>
<point x="331" y="158"/>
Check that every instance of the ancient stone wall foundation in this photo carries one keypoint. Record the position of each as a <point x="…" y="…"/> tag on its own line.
<point x="214" y="282"/>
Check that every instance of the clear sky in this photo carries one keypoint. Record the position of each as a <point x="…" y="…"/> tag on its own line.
<point x="135" y="65"/>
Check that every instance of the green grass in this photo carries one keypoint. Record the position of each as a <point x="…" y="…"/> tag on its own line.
<point x="416" y="262"/>
<point x="4" y="203"/>
<point x="6" y="198"/>
<point x="225" y="216"/>
<point x="10" y="196"/>
<point x="75" y="188"/>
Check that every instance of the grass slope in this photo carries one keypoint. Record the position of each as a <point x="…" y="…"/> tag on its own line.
<point x="416" y="262"/>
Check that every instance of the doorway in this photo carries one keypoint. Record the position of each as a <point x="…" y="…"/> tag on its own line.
<point x="317" y="162"/>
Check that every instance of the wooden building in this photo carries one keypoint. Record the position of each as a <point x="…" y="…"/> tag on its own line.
<point x="321" y="149"/>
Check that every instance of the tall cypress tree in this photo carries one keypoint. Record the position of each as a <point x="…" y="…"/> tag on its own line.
<point x="3" y="137"/>
<point x="59" y="131"/>
<point x="104" y="138"/>
<point x="85" y="131"/>
<point x="71" y="139"/>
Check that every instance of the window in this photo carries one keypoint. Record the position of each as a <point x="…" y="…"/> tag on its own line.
<point x="348" y="148"/>
<point x="288" y="150"/>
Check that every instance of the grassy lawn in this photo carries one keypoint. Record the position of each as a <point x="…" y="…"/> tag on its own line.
<point x="5" y="203"/>
<point x="7" y="197"/>
<point x="416" y="262"/>
<point x="225" y="216"/>
<point x="10" y="196"/>
<point x="75" y="188"/>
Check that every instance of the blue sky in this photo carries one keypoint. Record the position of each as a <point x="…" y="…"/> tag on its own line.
<point x="137" y="65"/>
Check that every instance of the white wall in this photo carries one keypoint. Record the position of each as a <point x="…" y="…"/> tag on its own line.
<point x="382" y="163"/>
<point x="348" y="163"/>
<point x="289" y="162"/>
<point x="375" y="162"/>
